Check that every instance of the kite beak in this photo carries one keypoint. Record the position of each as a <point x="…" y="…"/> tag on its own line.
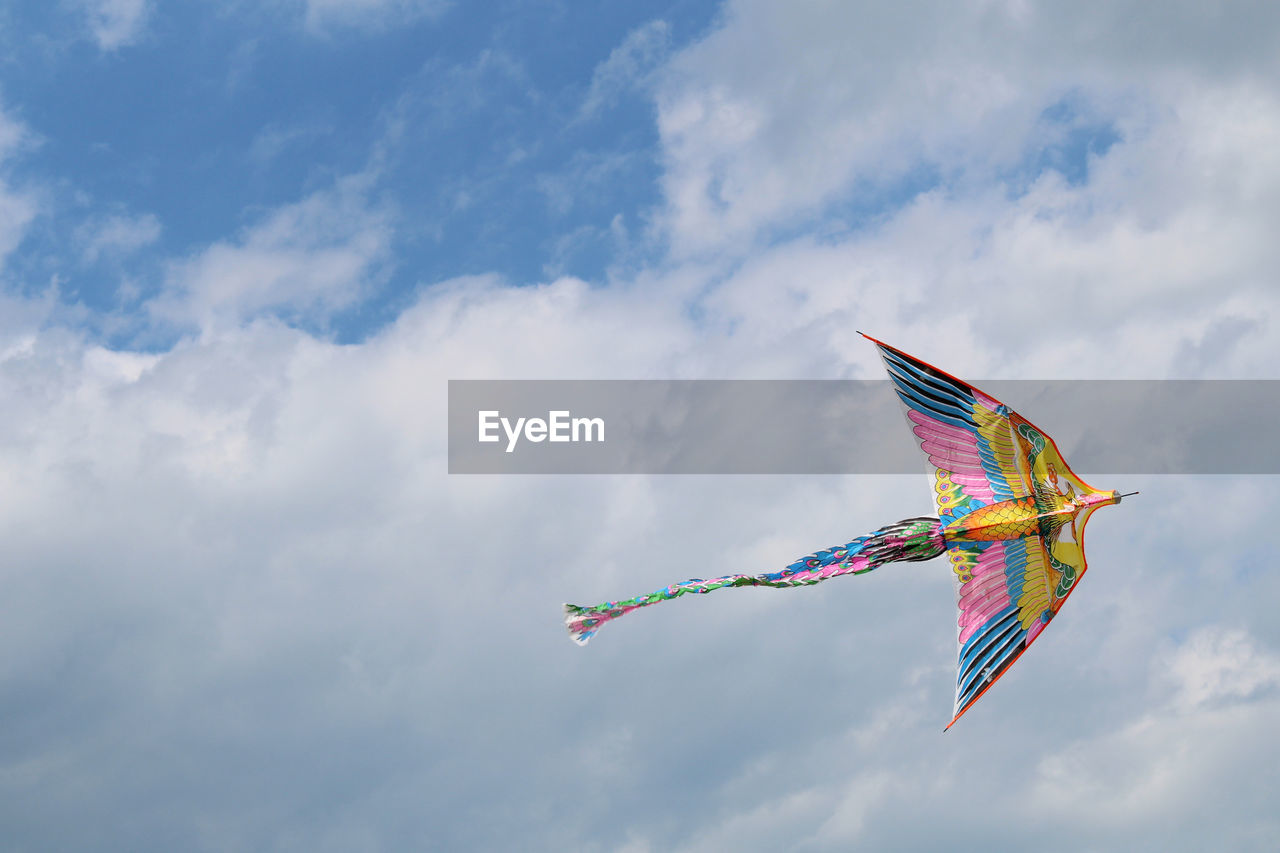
<point x="1118" y="496"/>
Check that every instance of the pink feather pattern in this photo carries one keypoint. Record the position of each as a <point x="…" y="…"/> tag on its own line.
<point x="954" y="450"/>
<point x="986" y="594"/>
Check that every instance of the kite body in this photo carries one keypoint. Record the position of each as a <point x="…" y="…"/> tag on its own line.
<point x="1011" y="518"/>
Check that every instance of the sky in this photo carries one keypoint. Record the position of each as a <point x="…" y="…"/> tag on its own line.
<point x="244" y="246"/>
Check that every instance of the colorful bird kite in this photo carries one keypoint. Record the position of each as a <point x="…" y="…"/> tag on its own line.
<point x="1011" y="518"/>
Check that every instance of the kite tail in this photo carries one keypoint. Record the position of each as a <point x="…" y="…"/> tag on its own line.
<point x="910" y="540"/>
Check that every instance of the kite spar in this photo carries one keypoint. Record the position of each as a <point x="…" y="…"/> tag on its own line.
<point x="1011" y="519"/>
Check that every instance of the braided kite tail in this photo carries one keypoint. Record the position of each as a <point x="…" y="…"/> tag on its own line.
<point x="910" y="540"/>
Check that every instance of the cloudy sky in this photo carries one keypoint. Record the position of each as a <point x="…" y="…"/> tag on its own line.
<point x="245" y="245"/>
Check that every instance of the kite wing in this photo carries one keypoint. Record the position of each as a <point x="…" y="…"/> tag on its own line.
<point x="966" y="435"/>
<point x="983" y="453"/>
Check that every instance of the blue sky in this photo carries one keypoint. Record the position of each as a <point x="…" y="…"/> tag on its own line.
<point x="244" y="247"/>
<point x="481" y="130"/>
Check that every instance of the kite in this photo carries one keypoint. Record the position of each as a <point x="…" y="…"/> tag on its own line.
<point x="1011" y="519"/>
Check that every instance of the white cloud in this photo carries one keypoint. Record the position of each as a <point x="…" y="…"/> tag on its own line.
<point x="260" y="507"/>
<point x="1176" y="760"/>
<point x="628" y="65"/>
<point x="1218" y="665"/>
<point x="12" y="134"/>
<point x="781" y="112"/>
<point x="18" y="206"/>
<point x="17" y="209"/>
<point x="1163" y="247"/>
<point x="1155" y="775"/>
<point x="324" y="15"/>
<point x="306" y="260"/>
<point x="584" y="175"/>
<point x="267" y="555"/>
<point x="273" y="140"/>
<point x="117" y="235"/>
<point x="116" y="23"/>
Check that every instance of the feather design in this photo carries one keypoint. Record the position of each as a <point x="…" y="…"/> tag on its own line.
<point x="1005" y="497"/>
